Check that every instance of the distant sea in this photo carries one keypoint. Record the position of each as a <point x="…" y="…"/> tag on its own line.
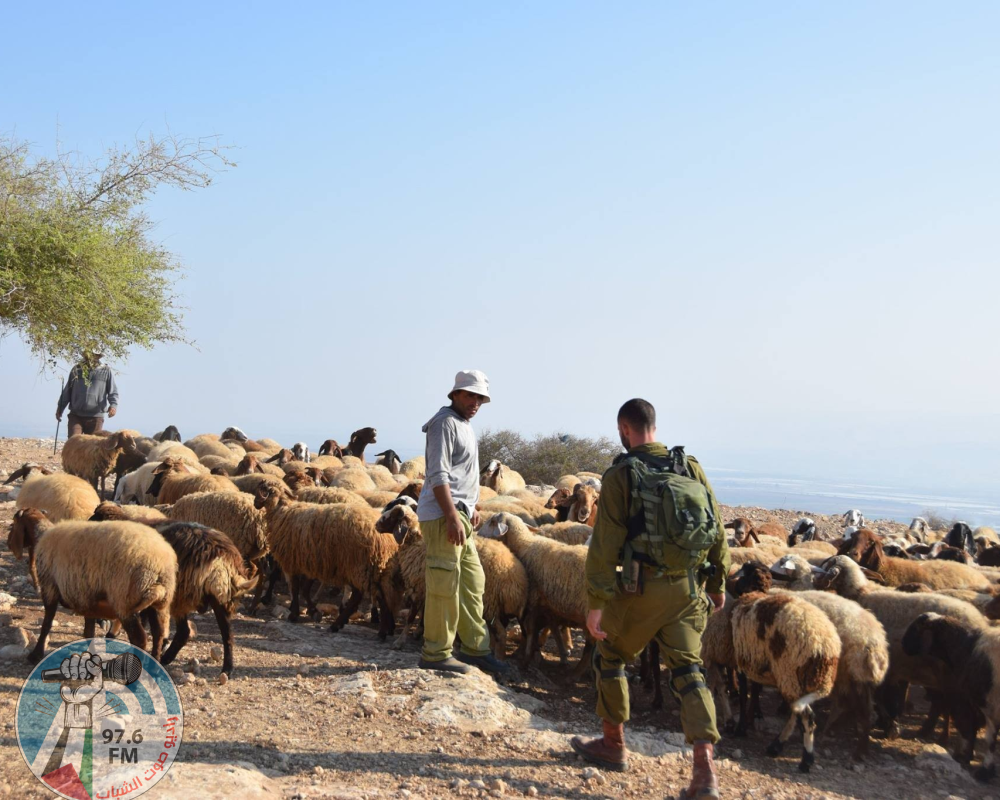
<point x="876" y="501"/>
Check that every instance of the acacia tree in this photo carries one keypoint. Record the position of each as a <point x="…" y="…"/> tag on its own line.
<point x="78" y="268"/>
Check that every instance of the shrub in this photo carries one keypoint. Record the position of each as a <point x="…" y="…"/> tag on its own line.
<point x="546" y="457"/>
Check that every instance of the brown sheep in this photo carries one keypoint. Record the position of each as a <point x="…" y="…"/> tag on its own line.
<point x="170" y="483"/>
<point x="93" y="458"/>
<point x="360" y="439"/>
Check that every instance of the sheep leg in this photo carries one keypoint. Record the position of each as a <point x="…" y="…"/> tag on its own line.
<point x="226" y="632"/>
<point x="308" y="584"/>
<point x="294" y="587"/>
<point x="586" y="662"/>
<point x="808" y="718"/>
<point x="930" y="723"/>
<point x="989" y="769"/>
<point x="39" y="651"/>
<point x="159" y="626"/>
<point x="863" y="721"/>
<point x="136" y="633"/>
<point x="347" y="610"/>
<point x="387" y="621"/>
<point x="499" y="631"/>
<point x="564" y="651"/>
<point x="181" y="637"/>
<point x="401" y="639"/>
<point x="258" y="565"/>
<point x="530" y="634"/>
<point x="774" y="749"/>
<point x="653" y="649"/>
<point x="271" y="580"/>
<point x="89" y="626"/>
<point x="743" y="724"/>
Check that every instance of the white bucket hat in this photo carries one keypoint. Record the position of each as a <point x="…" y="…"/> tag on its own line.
<point x="472" y="380"/>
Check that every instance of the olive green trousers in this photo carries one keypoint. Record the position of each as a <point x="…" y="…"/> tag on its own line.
<point x="666" y="612"/>
<point x="454" y="600"/>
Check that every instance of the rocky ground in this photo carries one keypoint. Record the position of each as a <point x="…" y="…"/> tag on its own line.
<point x="310" y="714"/>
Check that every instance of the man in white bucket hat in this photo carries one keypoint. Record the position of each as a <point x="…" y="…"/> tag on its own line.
<point x="447" y="513"/>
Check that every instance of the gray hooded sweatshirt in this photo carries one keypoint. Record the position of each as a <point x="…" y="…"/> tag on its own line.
<point x="452" y="455"/>
<point x="89" y="397"/>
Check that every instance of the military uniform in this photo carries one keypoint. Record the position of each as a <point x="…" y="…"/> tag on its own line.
<point x="664" y="610"/>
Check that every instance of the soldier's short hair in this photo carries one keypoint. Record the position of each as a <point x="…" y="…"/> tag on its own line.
<point x="638" y="414"/>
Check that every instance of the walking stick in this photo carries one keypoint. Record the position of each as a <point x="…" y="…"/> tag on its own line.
<point x="55" y="444"/>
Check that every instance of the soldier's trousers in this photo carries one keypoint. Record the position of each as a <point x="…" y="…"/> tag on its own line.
<point x="454" y="599"/>
<point x="666" y="612"/>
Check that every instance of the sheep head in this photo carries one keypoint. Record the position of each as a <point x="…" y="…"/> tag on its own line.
<point x="803" y="531"/>
<point x="120" y="441"/>
<point x="398" y="519"/>
<point x="24" y="471"/>
<point x="960" y="537"/>
<point x="364" y="437"/>
<point x="234" y="433"/>
<point x="413" y="490"/>
<point x="282" y="457"/>
<point x="939" y="637"/>
<point x="24" y="530"/>
<point x="743" y="532"/>
<point x="297" y="479"/>
<point x="585" y="499"/>
<point x="751" y="577"/>
<point x="249" y="464"/>
<point x="331" y="448"/>
<point x="560" y="498"/>
<point x="488" y="475"/>
<point x="497" y="526"/>
<point x="107" y="511"/>
<point x="855" y="518"/>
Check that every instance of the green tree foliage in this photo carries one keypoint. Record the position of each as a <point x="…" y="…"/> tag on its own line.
<point x="545" y="458"/>
<point x="78" y="269"/>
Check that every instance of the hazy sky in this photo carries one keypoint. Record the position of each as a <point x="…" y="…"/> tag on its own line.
<point x="777" y="222"/>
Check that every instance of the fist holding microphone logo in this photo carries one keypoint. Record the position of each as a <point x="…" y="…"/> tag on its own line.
<point x="99" y="719"/>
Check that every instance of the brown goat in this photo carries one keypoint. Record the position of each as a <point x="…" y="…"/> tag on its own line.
<point x="331" y="448"/>
<point x="360" y="439"/>
<point x="743" y="532"/>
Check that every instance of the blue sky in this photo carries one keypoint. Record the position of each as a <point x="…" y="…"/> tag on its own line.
<point x="776" y="222"/>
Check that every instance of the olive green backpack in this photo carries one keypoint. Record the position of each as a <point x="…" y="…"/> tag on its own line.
<point x="671" y="513"/>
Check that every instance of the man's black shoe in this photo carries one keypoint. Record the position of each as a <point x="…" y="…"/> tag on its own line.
<point x="488" y="663"/>
<point x="447" y="665"/>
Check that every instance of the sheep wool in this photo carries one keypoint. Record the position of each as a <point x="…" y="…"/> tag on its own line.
<point x="61" y="497"/>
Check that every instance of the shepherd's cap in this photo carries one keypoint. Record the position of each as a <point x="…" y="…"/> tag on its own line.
<point x="472" y="380"/>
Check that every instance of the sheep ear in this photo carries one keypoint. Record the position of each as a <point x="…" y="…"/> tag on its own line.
<point x="730" y="525"/>
<point x="873" y="576"/>
<point x="753" y="533"/>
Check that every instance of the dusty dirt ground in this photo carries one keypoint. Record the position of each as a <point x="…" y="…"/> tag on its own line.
<point x="312" y="714"/>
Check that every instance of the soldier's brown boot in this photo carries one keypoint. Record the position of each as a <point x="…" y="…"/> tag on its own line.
<point x="704" y="783"/>
<point x="608" y="751"/>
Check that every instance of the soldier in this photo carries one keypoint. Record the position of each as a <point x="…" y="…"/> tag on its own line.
<point x="89" y="392"/>
<point x="660" y="522"/>
<point x="447" y="512"/>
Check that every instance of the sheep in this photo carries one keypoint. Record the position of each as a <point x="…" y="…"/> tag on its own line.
<point x="500" y="478"/>
<point x="61" y="497"/>
<point x="327" y="462"/>
<point x="414" y="469"/>
<point x="331" y="448"/>
<point x="866" y="548"/>
<point x="99" y="570"/>
<point x="390" y="460"/>
<point x="268" y="445"/>
<point x="282" y="457"/>
<point x="854" y="518"/>
<point x="171" y="482"/>
<point x="566" y="532"/>
<point x="864" y="658"/>
<point x="210" y="573"/>
<point x="971" y="655"/>
<point x="300" y="450"/>
<point x="920" y="529"/>
<point x="506" y="504"/>
<point x="175" y="451"/>
<point x="360" y="439"/>
<point x="412" y="489"/>
<point x="297" y="479"/>
<point x="208" y="447"/>
<point x="506" y="582"/>
<point x="960" y="537"/>
<point x="560" y="500"/>
<point x="328" y="494"/>
<point x="168" y="434"/>
<point x="795" y="572"/>
<point x="249" y="483"/>
<point x="556" y="578"/>
<point x="783" y="641"/>
<point x="379" y="499"/>
<point x="335" y="543"/>
<point x="987" y="534"/>
<point x="93" y="458"/>
<point x="108" y="511"/>
<point x="804" y="530"/>
<point x="895" y="610"/>
<point x="228" y="466"/>
<point x="382" y="478"/>
<point x="356" y="480"/>
<point x="583" y="506"/>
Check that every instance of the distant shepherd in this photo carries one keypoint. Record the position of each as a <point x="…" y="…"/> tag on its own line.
<point x="89" y="393"/>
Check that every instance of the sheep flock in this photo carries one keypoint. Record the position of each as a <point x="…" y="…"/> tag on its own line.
<point x="844" y="626"/>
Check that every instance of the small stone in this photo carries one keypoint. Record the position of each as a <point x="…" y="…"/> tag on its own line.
<point x="737" y="753"/>
<point x="208" y="695"/>
<point x="279" y="612"/>
<point x="223" y="679"/>
<point x="531" y="791"/>
<point x="216" y="653"/>
<point x="317" y="770"/>
<point x="497" y="788"/>
<point x="477" y="784"/>
<point x="13" y="651"/>
<point x="303" y="670"/>
<point x="457" y="784"/>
